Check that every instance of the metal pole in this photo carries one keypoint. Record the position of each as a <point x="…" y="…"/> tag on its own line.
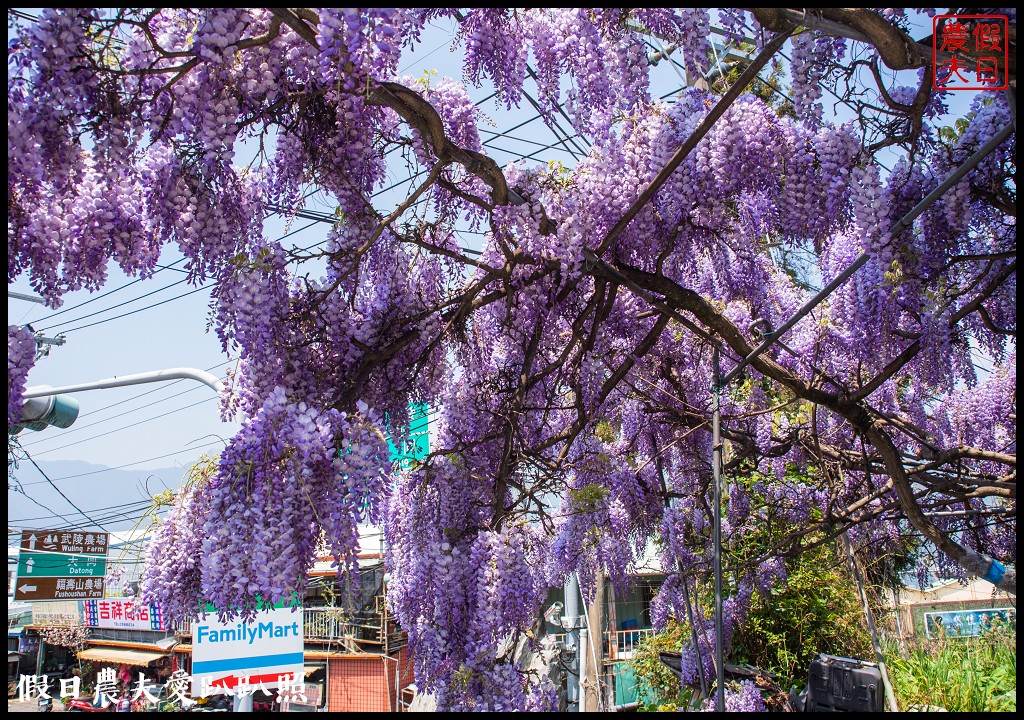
<point x="900" y="225"/>
<point x="22" y="296"/>
<point x="693" y="633"/>
<point x="679" y="568"/>
<point x="682" y="577"/>
<point x="890" y="696"/>
<point x="40" y="656"/>
<point x="572" y="615"/>
<point x="716" y="462"/>
<point x="137" y="379"/>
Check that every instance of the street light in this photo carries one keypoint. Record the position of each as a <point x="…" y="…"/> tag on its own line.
<point x="40" y="412"/>
<point x="45" y="405"/>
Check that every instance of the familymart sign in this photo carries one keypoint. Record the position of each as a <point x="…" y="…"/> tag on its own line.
<point x="257" y="652"/>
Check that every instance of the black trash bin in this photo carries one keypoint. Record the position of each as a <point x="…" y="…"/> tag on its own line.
<point x="839" y="684"/>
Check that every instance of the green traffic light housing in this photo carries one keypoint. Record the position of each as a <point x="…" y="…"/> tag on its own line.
<point x="41" y="412"/>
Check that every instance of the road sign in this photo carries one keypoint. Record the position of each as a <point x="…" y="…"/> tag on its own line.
<point x="70" y="542"/>
<point x="37" y="564"/>
<point x="267" y="647"/>
<point x="59" y="588"/>
<point x="61" y="565"/>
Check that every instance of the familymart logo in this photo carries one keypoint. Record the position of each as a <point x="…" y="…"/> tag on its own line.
<point x="970" y="52"/>
<point x="247" y="633"/>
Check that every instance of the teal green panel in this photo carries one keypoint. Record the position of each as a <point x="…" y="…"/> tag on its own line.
<point x="34" y="564"/>
<point x="415" y="444"/>
<point x="626" y="692"/>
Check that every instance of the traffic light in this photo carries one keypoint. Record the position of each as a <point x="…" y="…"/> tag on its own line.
<point x="40" y="412"/>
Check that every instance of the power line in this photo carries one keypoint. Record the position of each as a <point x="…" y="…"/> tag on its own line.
<point x="114" y="307"/>
<point x="137" y="462"/>
<point x="132" y="505"/>
<point x="125" y="427"/>
<point x="133" y="312"/>
<point x="106" y="294"/>
<point x="133" y="516"/>
<point x="59" y="491"/>
<point x="133" y="282"/>
<point x="21" y="491"/>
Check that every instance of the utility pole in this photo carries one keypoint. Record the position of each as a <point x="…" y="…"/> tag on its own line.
<point x="571" y="623"/>
<point x="594" y="649"/>
<point x="716" y="461"/>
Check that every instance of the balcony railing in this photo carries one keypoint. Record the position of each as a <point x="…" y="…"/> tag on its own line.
<point x="326" y="623"/>
<point x="621" y="644"/>
<point x="618" y="645"/>
<point x="357" y="629"/>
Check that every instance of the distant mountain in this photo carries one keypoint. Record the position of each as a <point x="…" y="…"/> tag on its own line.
<point x="112" y="499"/>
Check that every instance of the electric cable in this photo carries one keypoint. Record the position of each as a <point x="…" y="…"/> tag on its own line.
<point x="126" y="427"/>
<point x="126" y="465"/>
<point x="121" y="509"/>
<point x="113" y="307"/>
<point x="133" y="312"/>
<point x="28" y="456"/>
<point x="105" y="294"/>
<point x="31" y="499"/>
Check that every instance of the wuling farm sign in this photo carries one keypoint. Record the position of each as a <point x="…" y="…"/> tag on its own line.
<point x="64" y="541"/>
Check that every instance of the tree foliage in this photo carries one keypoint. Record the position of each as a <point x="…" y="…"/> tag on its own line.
<point x="574" y="352"/>
<point x="816" y="611"/>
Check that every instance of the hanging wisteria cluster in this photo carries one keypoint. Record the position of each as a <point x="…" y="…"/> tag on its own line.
<point x="570" y="361"/>
<point x="21" y="356"/>
<point x="294" y="481"/>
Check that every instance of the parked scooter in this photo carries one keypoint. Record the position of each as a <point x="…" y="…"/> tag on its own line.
<point x="89" y="705"/>
<point x="45" y="704"/>
<point x="216" y="703"/>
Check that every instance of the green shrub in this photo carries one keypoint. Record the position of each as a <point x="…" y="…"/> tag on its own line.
<point x="818" y="611"/>
<point x="653" y="679"/>
<point x="958" y="674"/>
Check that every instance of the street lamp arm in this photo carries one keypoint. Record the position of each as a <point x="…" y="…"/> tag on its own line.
<point x="137" y="379"/>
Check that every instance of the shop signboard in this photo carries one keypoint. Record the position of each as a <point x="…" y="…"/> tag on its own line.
<point x="415" y="444"/>
<point x="123" y="614"/>
<point x="58" y="613"/>
<point x="966" y="623"/>
<point x="28" y="644"/>
<point x="253" y="653"/>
